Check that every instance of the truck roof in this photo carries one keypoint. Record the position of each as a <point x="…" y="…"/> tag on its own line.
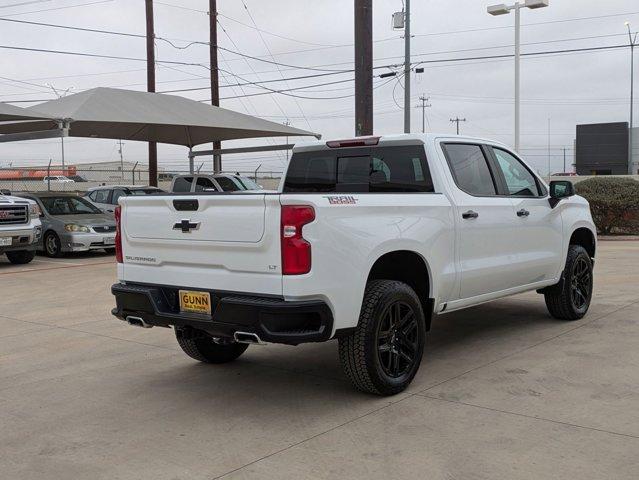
<point x="395" y="139"/>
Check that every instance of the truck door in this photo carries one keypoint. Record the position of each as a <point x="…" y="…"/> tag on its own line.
<point x="485" y="222"/>
<point x="539" y="230"/>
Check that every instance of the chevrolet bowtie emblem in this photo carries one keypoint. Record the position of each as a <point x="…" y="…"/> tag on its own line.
<point x="186" y="226"/>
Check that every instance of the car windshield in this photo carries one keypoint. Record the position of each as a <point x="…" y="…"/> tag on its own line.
<point x="248" y="183"/>
<point x="68" y="206"/>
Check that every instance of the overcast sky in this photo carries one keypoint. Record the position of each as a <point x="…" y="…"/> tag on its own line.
<point x="569" y="88"/>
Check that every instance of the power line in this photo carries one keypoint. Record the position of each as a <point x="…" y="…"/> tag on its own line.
<point x="59" y="8"/>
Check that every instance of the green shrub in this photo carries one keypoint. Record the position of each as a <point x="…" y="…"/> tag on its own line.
<point x="614" y="203"/>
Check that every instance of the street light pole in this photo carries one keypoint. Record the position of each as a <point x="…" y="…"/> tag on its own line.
<point x="407" y="70"/>
<point x="633" y="42"/>
<point x="505" y="10"/>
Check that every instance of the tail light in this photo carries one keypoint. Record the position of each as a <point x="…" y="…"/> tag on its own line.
<point x="296" y="251"/>
<point x="118" y="234"/>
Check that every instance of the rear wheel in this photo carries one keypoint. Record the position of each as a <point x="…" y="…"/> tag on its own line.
<point x="52" y="245"/>
<point x="20" y="258"/>
<point x="570" y="299"/>
<point x="383" y="355"/>
<point x="201" y="346"/>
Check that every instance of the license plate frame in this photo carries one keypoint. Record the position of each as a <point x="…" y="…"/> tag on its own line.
<point x="6" y="241"/>
<point x="195" y="301"/>
<point x="108" y="240"/>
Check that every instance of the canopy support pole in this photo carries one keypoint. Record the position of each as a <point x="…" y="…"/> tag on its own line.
<point x="191" y="161"/>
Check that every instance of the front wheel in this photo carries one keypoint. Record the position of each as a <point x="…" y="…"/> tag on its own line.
<point x="383" y="355"/>
<point x="570" y="299"/>
<point x="21" y="257"/>
<point x="52" y="245"/>
<point x="201" y="346"/>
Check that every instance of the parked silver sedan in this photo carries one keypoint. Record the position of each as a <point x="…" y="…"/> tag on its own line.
<point x="72" y="224"/>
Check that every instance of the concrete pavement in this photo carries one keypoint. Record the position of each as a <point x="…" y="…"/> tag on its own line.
<point x="504" y="392"/>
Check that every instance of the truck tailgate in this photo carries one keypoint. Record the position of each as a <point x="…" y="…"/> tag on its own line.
<point x="219" y="242"/>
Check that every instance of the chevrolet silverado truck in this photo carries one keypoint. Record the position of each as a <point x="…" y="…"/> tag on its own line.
<point x="365" y="241"/>
<point x="20" y="228"/>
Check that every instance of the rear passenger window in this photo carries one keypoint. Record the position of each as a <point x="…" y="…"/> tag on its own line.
<point x="102" y="196"/>
<point x="182" y="184"/>
<point x="377" y="170"/>
<point x="470" y="169"/>
<point x="203" y="184"/>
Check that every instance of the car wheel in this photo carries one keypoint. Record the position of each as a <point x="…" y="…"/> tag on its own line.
<point x="570" y="299"/>
<point x="52" y="245"/>
<point x="383" y="354"/>
<point x="201" y="346"/>
<point x="21" y="258"/>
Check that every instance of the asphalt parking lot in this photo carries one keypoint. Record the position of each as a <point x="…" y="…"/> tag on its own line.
<point x="504" y="392"/>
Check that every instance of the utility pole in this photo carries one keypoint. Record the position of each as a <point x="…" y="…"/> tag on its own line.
<point x="215" y="77"/>
<point x="363" y="67"/>
<point x="121" y="158"/>
<point x="150" y="87"/>
<point x="407" y="70"/>
<point x="457" y="120"/>
<point x="424" y="106"/>
<point x="288" y="124"/>
<point x="633" y="43"/>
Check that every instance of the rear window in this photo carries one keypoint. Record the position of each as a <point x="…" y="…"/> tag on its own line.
<point x="377" y="170"/>
<point x="182" y="184"/>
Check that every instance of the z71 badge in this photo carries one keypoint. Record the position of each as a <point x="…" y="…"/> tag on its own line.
<point x="341" y="199"/>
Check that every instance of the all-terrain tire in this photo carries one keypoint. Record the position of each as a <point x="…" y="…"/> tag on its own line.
<point x="200" y="346"/>
<point x="21" y="257"/>
<point x="570" y="299"/>
<point x="361" y="352"/>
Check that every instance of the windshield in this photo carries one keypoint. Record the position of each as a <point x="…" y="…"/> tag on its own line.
<point x="248" y="183"/>
<point x="68" y="206"/>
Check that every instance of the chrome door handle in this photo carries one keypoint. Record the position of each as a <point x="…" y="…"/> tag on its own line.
<point x="523" y="213"/>
<point x="469" y="214"/>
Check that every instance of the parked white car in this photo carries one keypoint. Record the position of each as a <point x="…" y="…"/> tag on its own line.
<point x="57" y="179"/>
<point x="212" y="183"/>
<point x="20" y="228"/>
<point x="366" y="240"/>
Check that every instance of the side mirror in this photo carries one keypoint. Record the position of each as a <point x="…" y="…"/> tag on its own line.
<point x="560" y="189"/>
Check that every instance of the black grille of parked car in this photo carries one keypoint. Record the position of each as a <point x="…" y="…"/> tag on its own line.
<point x="105" y="229"/>
<point x="14" y="214"/>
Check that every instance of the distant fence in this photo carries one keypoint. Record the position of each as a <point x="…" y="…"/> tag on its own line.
<point x="73" y="179"/>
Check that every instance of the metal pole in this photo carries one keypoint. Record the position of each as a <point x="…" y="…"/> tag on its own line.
<point x="549" y="165"/>
<point x="407" y="70"/>
<point x="363" y="67"/>
<point x="49" y="176"/>
<point x="62" y="145"/>
<point x="191" y="161"/>
<point x="564" y="160"/>
<point x="632" y="103"/>
<point x="215" y="77"/>
<point x="517" y="74"/>
<point x="150" y="81"/>
<point x="121" y="160"/>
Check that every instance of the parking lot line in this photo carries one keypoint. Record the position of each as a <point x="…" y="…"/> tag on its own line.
<point x="72" y="265"/>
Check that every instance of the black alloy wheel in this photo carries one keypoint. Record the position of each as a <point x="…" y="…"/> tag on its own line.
<point x="397" y="339"/>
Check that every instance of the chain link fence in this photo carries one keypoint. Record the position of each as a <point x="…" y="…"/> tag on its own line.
<point x="81" y="179"/>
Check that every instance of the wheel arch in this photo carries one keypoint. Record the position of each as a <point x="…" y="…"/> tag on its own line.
<point x="411" y="268"/>
<point x="586" y="238"/>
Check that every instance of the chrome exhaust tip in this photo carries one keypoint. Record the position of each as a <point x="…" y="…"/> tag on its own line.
<point x="137" y="322"/>
<point x="246" y="337"/>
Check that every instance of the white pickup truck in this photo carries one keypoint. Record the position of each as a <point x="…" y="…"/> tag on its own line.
<point x="20" y="228"/>
<point x="364" y="242"/>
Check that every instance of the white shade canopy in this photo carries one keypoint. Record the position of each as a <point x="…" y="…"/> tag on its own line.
<point x="149" y="117"/>
<point x="9" y="113"/>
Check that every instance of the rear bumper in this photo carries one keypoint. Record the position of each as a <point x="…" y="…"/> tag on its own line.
<point x="273" y="319"/>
